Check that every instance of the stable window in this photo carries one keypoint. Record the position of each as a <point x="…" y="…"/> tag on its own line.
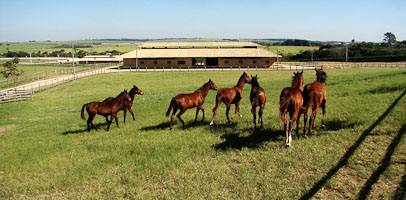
<point x="254" y="62"/>
<point x="169" y="62"/>
<point x="240" y="61"/>
<point x="267" y="62"/>
<point x="226" y="62"/>
<point x="141" y="62"/>
<point x="155" y="62"/>
<point x="181" y="62"/>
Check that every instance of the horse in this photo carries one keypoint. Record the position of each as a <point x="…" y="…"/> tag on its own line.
<point x="230" y="96"/>
<point x="127" y="106"/>
<point x="291" y="100"/>
<point x="105" y="108"/>
<point x="257" y="98"/>
<point x="190" y="100"/>
<point x="314" y="96"/>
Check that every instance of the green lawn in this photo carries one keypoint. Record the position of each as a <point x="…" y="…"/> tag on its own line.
<point x="45" y="152"/>
<point x="290" y="50"/>
<point x="42" y="71"/>
<point x="31" y="47"/>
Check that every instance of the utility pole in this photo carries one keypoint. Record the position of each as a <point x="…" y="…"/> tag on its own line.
<point x="346" y="53"/>
<point x="73" y="58"/>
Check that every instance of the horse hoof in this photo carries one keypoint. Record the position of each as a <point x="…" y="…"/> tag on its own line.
<point x="323" y="126"/>
<point x="240" y="115"/>
<point x="211" y="124"/>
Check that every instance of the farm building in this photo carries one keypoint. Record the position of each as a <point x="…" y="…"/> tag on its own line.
<point x="199" y="55"/>
<point x="92" y="59"/>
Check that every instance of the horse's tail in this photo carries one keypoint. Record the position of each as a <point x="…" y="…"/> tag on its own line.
<point x="284" y="101"/>
<point x="170" y="107"/>
<point x="82" y="114"/>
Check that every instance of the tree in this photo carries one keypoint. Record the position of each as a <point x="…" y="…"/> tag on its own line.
<point x="389" y="38"/>
<point x="10" y="70"/>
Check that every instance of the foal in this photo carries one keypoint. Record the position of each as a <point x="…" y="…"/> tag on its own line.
<point x="127" y="106"/>
<point x="230" y="96"/>
<point x="257" y="98"/>
<point x="291" y="100"/>
<point x="190" y="100"/>
<point x="314" y="96"/>
<point x="105" y="108"/>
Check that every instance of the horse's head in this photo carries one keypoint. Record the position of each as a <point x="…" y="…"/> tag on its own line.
<point x="254" y="80"/>
<point x="246" y="78"/>
<point x="321" y="75"/>
<point x="136" y="91"/>
<point x="297" y="80"/>
<point x="211" y="85"/>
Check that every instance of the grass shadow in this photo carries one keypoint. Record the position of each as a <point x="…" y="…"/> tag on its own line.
<point x="345" y="158"/>
<point x="386" y="89"/>
<point x="98" y="126"/>
<point x="161" y="126"/>
<point x="337" y="124"/>
<point x="254" y="140"/>
<point x="385" y="162"/>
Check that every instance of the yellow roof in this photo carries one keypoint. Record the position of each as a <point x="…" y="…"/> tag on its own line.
<point x="224" y="44"/>
<point x="199" y="53"/>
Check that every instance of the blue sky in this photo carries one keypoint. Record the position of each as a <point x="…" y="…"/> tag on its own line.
<point x="362" y="20"/>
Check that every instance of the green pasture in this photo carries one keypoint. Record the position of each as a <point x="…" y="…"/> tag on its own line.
<point x="290" y="50"/>
<point x="45" y="152"/>
<point x="42" y="71"/>
<point x="96" y="46"/>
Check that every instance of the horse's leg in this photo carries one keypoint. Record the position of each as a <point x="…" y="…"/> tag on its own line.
<point x="228" y="106"/>
<point x="215" y="108"/>
<point x="109" y="123"/>
<point x="197" y="114"/>
<point x="179" y="117"/>
<point x="125" y="114"/>
<point x="304" y="122"/>
<point x="202" y="113"/>
<point x="115" y="118"/>
<point x="89" y="122"/>
<point x="323" y="108"/>
<point x="237" y="109"/>
<point x="297" y="124"/>
<point x="260" y="112"/>
<point x="175" y="109"/>
<point x="132" y="114"/>
<point x="312" y="119"/>
<point x="293" y="118"/>
<point x="254" y="114"/>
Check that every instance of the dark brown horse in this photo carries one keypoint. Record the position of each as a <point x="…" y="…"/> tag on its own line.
<point x="105" y="108"/>
<point x="190" y="100"/>
<point x="230" y="96"/>
<point x="314" y="96"/>
<point x="127" y="106"/>
<point x="258" y="99"/>
<point x="291" y="100"/>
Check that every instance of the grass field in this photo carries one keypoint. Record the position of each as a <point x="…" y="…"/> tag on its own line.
<point x="290" y="50"/>
<point x="46" y="152"/>
<point x="96" y="46"/>
<point x="42" y="71"/>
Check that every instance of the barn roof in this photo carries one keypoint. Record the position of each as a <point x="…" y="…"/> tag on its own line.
<point x="198" y="44"/>
<point x="199" y="53"/>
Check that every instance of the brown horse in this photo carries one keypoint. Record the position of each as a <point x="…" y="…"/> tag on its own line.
<point x="105" y="108"/>
<point x="231" y="96"/>
<point x="314" y="96"/>
<point x="291" y="100"/>
<point x="190" y="100"/>
<point x="127" y="106"/>
<point x="257" y="98"/>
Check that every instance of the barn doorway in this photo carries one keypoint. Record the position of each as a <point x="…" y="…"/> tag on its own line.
<point x="198" y="62"/>
<point x="212" y="62"/>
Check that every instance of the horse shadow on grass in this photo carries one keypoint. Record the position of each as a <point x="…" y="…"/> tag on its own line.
<point x="253" y="141"/>
<point x="337" y="124"/>
<point x="165" y="125"/>
<point x="386" y="89"/>
<point x="98" y="126"/>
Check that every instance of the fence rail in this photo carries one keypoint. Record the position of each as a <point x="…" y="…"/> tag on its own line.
<point x="14" y="95"/>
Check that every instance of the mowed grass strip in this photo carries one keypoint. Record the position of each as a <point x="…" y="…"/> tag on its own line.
<point x="46" y="152"/>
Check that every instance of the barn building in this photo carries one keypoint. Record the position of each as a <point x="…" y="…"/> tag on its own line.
<point x="199" y="55"/>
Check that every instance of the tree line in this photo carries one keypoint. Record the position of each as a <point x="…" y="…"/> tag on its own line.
<point x="58" y="53"/>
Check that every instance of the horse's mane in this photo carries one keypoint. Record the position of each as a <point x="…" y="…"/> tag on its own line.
<point x="296" y="80"/>
<point x="132" y="91"/>
<point x="121" y="93"/>
<point x="241" y="77"/>
<point x="203" y="86"/>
